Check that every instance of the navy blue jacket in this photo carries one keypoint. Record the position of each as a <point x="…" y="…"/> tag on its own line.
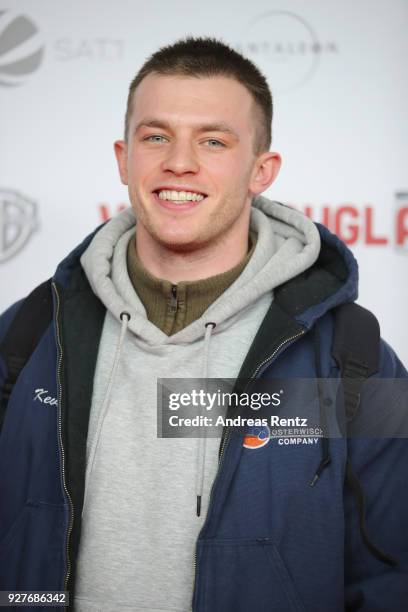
<point x="270" y="541"/>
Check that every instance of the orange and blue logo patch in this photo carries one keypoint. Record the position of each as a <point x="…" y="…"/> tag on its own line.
<point x="257" y="437"/>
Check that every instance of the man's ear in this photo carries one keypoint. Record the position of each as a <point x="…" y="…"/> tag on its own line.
<point x="121" y="152"/>
<point x="265" y="171"/>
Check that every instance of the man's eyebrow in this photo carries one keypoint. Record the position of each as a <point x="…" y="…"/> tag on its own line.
<point x="152" y="123"/>
<point x="219" y="126"/>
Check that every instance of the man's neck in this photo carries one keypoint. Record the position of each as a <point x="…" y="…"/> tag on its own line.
<point x="176" y="266"/>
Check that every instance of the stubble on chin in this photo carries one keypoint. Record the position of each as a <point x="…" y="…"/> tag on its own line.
<point x="218" y="224"/>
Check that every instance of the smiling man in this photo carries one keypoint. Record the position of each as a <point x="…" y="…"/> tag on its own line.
<point x="201" y="277"/>
<point x="195" y="155"/>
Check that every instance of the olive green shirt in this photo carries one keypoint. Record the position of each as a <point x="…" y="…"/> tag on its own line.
<point x="173" y="307"/>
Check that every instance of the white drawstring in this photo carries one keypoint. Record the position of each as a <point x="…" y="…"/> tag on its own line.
<point x="125" y="318"/>
<point x="202" y="442"/>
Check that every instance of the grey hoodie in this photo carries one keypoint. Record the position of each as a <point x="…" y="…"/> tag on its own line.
<point x="139" y="521"/>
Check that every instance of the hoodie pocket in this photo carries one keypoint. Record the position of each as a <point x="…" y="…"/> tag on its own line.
<point x="242" y="575"/>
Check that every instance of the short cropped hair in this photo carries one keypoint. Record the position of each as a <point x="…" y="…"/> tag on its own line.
<point x="209" y="57"/>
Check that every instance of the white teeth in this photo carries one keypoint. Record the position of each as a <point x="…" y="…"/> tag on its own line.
<point x="180" y="196"/>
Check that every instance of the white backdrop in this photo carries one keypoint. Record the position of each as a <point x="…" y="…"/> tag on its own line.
<point x="339" y="78"/>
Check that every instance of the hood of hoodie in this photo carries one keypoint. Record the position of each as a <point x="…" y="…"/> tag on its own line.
<point x="288" y="244"/>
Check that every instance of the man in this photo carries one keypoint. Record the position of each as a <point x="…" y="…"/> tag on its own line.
<point x="201" y="278"/>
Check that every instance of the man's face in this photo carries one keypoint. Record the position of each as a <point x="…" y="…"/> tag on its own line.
<point x="194" y="136"/>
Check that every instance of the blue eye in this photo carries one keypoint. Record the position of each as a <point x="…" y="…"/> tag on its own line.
<point x="216" y="142"/>
<point x="155" y="138"/>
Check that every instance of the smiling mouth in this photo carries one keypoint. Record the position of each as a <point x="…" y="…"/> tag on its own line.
<point x="172" y="195"/>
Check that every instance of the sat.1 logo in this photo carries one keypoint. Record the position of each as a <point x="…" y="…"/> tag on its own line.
<point x="21" y="48"/>
<point x="257" y="437"/>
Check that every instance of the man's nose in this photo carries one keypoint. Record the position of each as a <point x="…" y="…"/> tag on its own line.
<point x="181" y="158"/>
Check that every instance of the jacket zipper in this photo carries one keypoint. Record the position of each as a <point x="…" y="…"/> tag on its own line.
<point x="59" y="369"/>
<point x="227" y="434"/>
<point x="264" y="362"/>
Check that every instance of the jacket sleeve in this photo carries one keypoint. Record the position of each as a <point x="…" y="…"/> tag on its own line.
<point x="381" y="464"/>
<point x="5" y="320"/>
